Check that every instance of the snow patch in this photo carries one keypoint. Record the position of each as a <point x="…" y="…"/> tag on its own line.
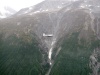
<point x="36" y="11"/>
<point x="47" y="10"/>
<point x="59" y="7"/>
<point x="43" y="10"/>
<point x="30" y="8"/>
<point x="26" y="12"/>
<point x="50" y="52"/>
<point x="82" y="6"/>
<point x="62" y="3"/>
<point x="89" y="5"/>
<point x="31" y="13"/>
<point x="2" y="16"/>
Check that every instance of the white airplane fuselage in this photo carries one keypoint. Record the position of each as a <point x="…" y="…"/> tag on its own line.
<point x="47" y="35"/>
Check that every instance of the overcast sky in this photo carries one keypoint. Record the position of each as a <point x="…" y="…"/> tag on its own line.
<point x="19" y="4"/>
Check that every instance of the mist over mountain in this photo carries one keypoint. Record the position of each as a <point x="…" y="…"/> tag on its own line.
<point x="55" y="37"/>
<point x="6" y="12"/>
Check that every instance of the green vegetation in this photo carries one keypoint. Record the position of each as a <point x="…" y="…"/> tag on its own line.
<point x="73" y="58"/>
<point x="20" y="56"/>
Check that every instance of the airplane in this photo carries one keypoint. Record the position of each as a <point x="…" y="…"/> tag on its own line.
<point x="47" y="35"/>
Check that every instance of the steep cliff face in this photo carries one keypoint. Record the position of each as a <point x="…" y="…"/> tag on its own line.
<point x="62" y="41"/>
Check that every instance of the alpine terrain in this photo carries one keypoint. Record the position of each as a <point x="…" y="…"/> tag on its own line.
<point x="54" y="37"/>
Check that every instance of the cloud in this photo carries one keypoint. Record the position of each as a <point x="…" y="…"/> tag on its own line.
<point x="19" y="4"/>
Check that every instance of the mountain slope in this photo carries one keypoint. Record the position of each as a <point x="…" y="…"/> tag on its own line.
<point x="16" y="56"/>
<point x="70" y="45"/>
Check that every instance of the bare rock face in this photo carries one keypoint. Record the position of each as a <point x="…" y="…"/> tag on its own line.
<point x="45" y="40"/>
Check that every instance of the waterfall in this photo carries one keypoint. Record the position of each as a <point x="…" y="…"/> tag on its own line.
<point x="50" y="50"/>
